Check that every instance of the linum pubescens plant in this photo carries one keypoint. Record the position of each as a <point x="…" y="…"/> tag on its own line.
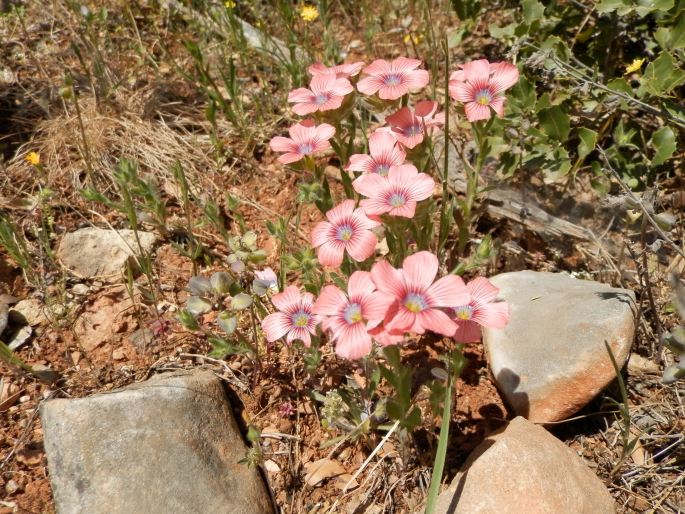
<point x="367" y="306"/>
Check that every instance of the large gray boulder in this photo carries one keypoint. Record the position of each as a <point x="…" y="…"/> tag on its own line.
<point x="550" y="360"/>
<point x="166" y="445"/>
<point x="523" y="469"/>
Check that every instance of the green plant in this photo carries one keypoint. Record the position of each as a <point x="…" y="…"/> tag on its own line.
<point x="674" y="340"/>
<point x="136" y="196"/>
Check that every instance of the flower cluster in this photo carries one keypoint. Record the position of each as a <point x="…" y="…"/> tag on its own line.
<point x="385" y="303"/>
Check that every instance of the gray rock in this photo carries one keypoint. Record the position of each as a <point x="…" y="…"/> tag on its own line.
<point x="523" y="469"/>
<point x="550" y="360"/>
<point x="30" y="311"/>
<point x="94" y="252"/>
<point x="166" y="445"/>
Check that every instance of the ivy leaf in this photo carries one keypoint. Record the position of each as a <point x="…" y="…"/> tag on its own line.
<point x="532" y="10"/>
<point x="661" y="76"/>
<point x="664" y="145"/>
<point x="555" y="122"/>
<point x="588" y="140"/>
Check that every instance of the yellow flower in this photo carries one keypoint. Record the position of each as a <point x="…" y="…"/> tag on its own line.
<point x="414" y="38"/>
<point x="33" y="158"/>
<point x="230" y="4"/>
<point x="634" y="66"/>
<point x="309" y="13"/>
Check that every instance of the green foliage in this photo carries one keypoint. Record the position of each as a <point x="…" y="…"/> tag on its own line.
<point x="674" y="340"/>
<point x="399" y="376"/>
<point x="573" y="97"/>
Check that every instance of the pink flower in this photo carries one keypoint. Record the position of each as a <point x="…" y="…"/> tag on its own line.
<point x="384" y="153"/>
<point x="347" y="315"/>
<point x="305" y="139"/>
<point x="480" y="85"/>
<point x="408" y="126"/>
<point x="325" y="93"/>
<point x="344" y="70"/>
<point x="347" y="228"/>
<point x="481" y="310"/>
<point x="295" y="317"/>
<point x="385" y="338"/>
<point x="395" y="194"/>
<point x="417" y="298"/>
<point x="392" y="80"/>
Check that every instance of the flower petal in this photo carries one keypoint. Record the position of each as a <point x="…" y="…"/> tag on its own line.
<point x="482" y="291"/>
<point x="419" y="271"/>
<point x="360" y="284"/>
<point x="467" y="332"/>
<point x="282" y="144"/>
<point x="503" y="75"/>
<point x="449" y="291"/>
<point x="354" y="342"/>
<point x="276" y="325"/>
<point x="288" y="300"/>
<point x="475" y="111"/>
<point x="436" y="321"/>
<point x="341" y="212"/>
<point x="388" y="279"/>
<point x="376" y="305"/>
<point x="492" y="315"/>
<point x="362" y="245"/>
<point x="330" y="302"/>
<point x="321" y="233"/>
<point x="331" y="254"/>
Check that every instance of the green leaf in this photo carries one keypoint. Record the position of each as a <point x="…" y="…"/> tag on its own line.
<point x="241" y="301"/>
<point x="413" y="419"/>
<point x="227" y="322"/>
<point x="664" y="145"/>
<point x="661" y="76"/>
<point x="196" y="305"/>
<point x="502" y="32"/>
<point x="621" y="85"/>
<point x="532" y="10"/>
<point x="555" y="122"/>
<point x="588" y="140"/>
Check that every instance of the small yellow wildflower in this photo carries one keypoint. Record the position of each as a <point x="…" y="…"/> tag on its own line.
<point x="413" y="38"/>
<point x="33" y="158"/>
<point x="634" y="66"/>
<point x="309" y="13"/>
<point x="229" y="4"/>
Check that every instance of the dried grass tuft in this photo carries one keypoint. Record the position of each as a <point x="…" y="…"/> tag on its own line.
<point x="151" y="141"/>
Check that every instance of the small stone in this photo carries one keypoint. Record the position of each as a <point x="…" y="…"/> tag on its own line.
<point x="169" y="444"/>
<point x="271" y="466"/>
<point x="29" y="311"/>
<point x="523" y="469"/>
<point x="639" y="365"/>
<point x="94" y="252"/>
<point x="80" y="289"/>
<point x="550" y="360"/>
<point x="118" y="354"/>
<point x="11" y="487"/>
<point x="75" y="358"/>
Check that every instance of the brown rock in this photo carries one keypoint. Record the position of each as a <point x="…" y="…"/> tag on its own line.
<point x="550" y="360"/>
<point x="523" y="469"/>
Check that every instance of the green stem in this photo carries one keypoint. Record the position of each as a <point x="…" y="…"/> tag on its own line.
<point x="439" y="463"/>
